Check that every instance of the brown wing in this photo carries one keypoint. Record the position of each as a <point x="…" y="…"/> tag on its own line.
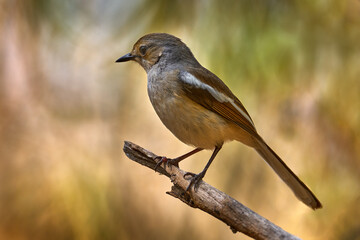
<point x="206" y="89"/>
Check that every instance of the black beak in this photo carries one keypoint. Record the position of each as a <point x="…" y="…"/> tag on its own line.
<point x="125" y="58"/>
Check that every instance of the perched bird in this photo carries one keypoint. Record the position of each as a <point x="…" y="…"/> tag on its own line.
<point x="199" y="109"/>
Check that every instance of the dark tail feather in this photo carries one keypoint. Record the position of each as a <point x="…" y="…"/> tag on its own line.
<point x="301" y="191"/>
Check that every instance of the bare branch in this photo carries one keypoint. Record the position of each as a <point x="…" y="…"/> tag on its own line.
<point x="211" y="200"/>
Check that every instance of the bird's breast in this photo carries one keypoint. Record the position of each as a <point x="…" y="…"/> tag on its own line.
<point x="188" y="121"/>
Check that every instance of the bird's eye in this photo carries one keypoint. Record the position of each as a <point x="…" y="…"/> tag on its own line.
<point x="142" y="50"/>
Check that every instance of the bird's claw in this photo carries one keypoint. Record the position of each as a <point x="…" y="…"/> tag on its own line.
<point x="167" y="161"/>
<point x="195" y="180"/>
<point x="159" y="160"/>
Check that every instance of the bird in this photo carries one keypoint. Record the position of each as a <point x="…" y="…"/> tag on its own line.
<point x="200" y="110"/>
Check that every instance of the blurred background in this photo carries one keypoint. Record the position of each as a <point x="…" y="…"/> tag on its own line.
<point x="66" y="108"/>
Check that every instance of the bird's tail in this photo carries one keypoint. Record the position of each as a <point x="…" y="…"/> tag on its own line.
<point x="301" y="191"/>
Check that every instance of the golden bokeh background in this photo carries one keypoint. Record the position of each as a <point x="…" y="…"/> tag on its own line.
<point x="66" y="108"/>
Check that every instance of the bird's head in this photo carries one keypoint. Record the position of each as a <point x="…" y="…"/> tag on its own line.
<point x="149" y="49"/>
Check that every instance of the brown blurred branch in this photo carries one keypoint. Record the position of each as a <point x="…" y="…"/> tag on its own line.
<point x="210" y="199"/>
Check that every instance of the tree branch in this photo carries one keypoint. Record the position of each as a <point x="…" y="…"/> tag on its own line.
<point x="211" y="200"/>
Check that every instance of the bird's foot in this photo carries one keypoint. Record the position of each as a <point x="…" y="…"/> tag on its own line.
<point x="195" y="180"/>
<point x="167" y="162"/>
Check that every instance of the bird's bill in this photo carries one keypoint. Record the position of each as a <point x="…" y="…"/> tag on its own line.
<point x="126" y="57"/>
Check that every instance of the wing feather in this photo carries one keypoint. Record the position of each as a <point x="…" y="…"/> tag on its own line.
<point x="206" y="89"/>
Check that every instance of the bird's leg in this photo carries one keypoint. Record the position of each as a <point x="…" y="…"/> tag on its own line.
<point x="174" y="161"/>
<point x="197" y="177"/>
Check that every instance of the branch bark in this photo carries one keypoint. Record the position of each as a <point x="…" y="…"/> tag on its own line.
<point x="211" y="200"/>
